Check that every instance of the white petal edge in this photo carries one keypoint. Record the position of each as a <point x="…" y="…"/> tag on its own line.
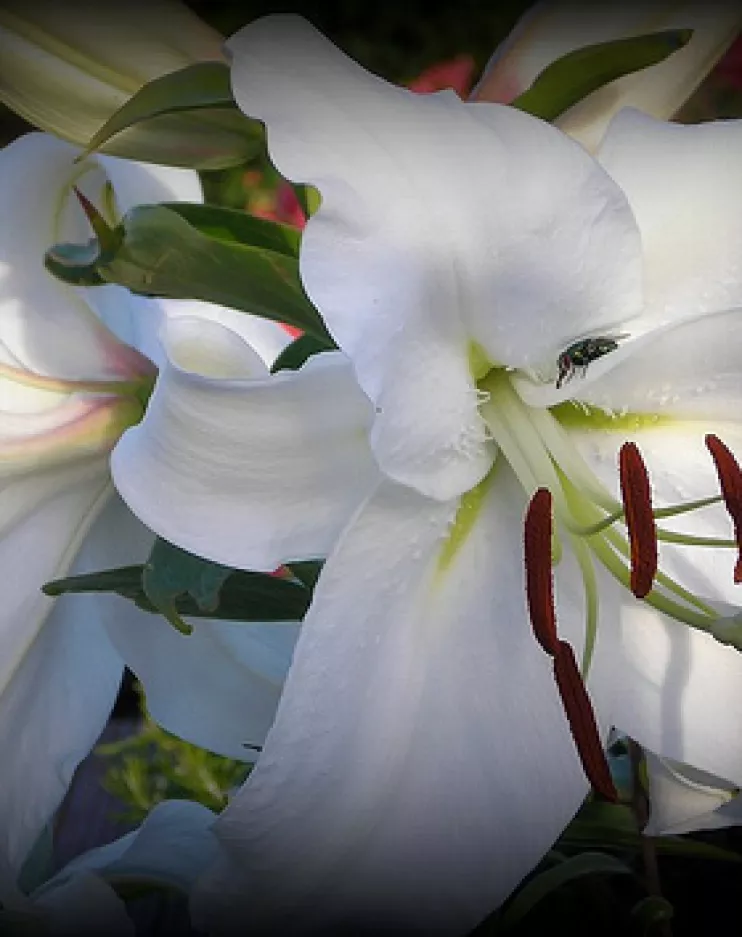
<point x="420" y="763"/>
<point x="690" y="223"/>
<point x="247" y="472"/>
<point x="406" y="273"/>
<point x="61" y="675"/>
<point x="667" y="682"/>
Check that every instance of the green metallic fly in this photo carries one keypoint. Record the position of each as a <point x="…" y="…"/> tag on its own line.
<point x="582" y="353"/>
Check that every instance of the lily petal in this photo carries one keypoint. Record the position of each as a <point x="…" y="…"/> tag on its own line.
<point x="239" y="668"/>
<point x="683" y="799"/>
<point x="47" y="327"/>
<point x="47" y="725"/>
<point x="689" y="371"/>
<point x="494" y="239"/>
<point x="283" y="457"/>
<point x="668" y="665"/>
<point x="551" y="29"/>
<point x="386" y="796"/>
<point x="174" y="845"/>
<point x="685" y="190"/>
<point x="265" y="337"/>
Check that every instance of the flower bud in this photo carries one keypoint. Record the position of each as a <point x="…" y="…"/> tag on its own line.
<point x="554" y="28"/>
<point x="67" y="67"/>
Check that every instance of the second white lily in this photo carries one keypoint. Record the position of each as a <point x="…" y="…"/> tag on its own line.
<point x="76" y="368"/>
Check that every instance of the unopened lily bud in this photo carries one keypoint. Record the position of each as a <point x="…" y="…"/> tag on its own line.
<point x="67" y="67"/>
<point x="554" y="28"/>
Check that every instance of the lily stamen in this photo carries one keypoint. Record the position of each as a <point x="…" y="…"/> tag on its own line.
<point x="572" y="691"/>
<point x="640" y="523"/>
<point x="730" y="481"/>
<point x="539" y="580"/>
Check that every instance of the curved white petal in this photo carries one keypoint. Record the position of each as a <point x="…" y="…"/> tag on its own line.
<point x="683" y="799"/>
<point x="442" y="223"/>
<point x="684" y="188"/>
<point x="237" y="669"/>
<point x="45" y="326"/>
<point x="690" y="370"/>
<point x="245" y="471"/>
<point x="59" y="675"/>
<point x="668" y="683"/>
<point x="173" y="846"/>
<point x="420" y="763"/>
<point x="267" y="338"/>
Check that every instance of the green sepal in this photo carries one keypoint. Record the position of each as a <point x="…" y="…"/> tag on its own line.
<point x="216" y="255"/>
<point x="300" y="351"/>
<point x="574" y="76"/>
<point x="202" y="87"/>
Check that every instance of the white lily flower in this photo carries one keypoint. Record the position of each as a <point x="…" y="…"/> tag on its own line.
<point x="68" y="67"/>
<point x="171" y="849"/>
<point x="421" y="762"/>
<point x="683" y="799"/>
<point x="73" y="376"/>
<point x="553" y="28"/>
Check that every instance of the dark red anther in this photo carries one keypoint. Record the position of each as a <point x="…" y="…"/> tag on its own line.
<point x="539" y="582"/>
<point x="540" y="595"/>
<point x="637" y="499"/>
<point x="730" y="482"/>
<point x="582" y="722"/>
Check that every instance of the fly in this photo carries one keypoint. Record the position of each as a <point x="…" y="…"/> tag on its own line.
<point x="582" y="353"/>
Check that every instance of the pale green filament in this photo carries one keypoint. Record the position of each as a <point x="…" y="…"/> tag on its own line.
<point x="541" y="454"/>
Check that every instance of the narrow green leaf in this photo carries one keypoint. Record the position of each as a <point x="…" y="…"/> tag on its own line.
<point x="125" y="581"/>
<point x="573" y="76"/>
<point x="243" y="596"/>
<point x="162" y="254"/>
<point x="543" y="884"/>
<point x="298" y="352"/>
<point x="231" y="225"/>
<point x="171" y="572"/>
<point x="195" y="87"/>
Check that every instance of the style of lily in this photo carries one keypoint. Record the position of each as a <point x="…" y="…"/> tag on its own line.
<point x="553" y="28"/>
<point x="421" y="762"/>
<point x="76" y="368"/>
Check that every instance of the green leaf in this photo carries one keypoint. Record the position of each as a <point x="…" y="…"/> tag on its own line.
<point x="573" y="76"/>
<point x="613" y="826"/>
<point x="163" y="254"/>
<point x="242" y="596"/>
<point x="307" y="571"/>
<point x="125" y="581"/>
<point x="76" y="264"/>
<point x="298" y="352"/>
<point x="195" y="87"/>
<point x="543" y="884"/>
<point x="171" y="572"/>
